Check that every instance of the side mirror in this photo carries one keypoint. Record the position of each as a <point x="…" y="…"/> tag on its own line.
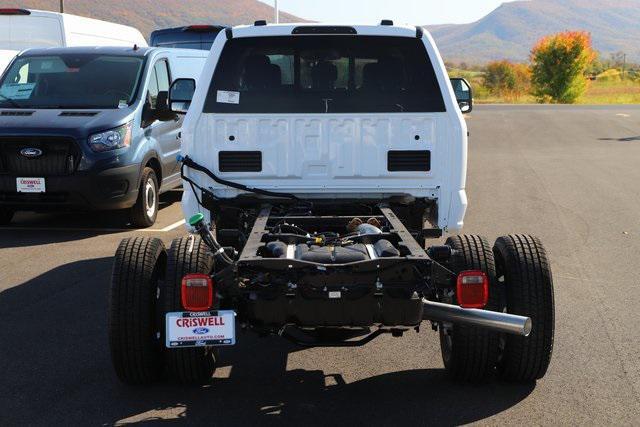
<point x="464" y="94"/>
<point x="180" y="95"/>
<point x="163" y="112"/>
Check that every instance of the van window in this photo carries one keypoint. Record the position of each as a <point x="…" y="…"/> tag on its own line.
<point x="71" y="81"/>
<point x="185" y="37"/>
<point x="24" y="32"/>
<point x="162" y="73"/>
<point x="325" y="74"/>
<point x="158" y="81"/>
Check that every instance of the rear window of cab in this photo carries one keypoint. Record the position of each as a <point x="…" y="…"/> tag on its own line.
<point x="324" y="74"/>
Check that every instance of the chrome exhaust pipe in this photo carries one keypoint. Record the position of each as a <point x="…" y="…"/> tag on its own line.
<point x="493" y="320"/>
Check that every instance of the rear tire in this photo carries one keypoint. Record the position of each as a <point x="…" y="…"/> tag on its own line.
<point x="470" y="353"/>
<point x="194" y="365"/>
<point x="145" y="211"/>
<point x="136" y="351"/>
<point x="522" y="263"/>
<point x="6" y="215"/>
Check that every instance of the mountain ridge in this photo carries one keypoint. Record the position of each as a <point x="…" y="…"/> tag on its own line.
<point x="511" y="30"/>
<point x="148" y="15"/>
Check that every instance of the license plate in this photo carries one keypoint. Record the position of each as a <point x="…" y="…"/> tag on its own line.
<point x="30" y="185"/>
<point x="198" y="329"/>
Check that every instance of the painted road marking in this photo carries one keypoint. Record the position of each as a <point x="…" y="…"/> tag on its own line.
<point x="623" y="115"/>
<point x="174" y="225"/>
<point x="96" y="230"/>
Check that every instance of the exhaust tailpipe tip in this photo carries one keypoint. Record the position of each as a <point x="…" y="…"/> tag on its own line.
<point x="492" y="320"/>
<point x="528" y="325"/>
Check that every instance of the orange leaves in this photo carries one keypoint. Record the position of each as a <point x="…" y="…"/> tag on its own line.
<point x="568" y="41"/>
<point x="507" y="79"/>
<point x="558" y="64"/>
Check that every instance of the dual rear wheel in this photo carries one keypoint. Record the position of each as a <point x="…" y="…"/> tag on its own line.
<point x="145" y="285"/>
<point x="147" y="278"/>
<point x="520" y="282"/>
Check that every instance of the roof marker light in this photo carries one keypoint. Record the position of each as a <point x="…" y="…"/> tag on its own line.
<point x="14" y="11"/>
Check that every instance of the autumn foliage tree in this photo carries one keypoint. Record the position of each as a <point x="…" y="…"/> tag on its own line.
<point x="558" y="64"/>
<point x="507" y="79"/>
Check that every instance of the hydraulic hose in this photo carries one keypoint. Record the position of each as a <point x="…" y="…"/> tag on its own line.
<point x="188" y="162"/>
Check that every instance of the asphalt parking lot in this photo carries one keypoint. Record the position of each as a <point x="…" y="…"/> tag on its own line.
<point x="567" y="174"/>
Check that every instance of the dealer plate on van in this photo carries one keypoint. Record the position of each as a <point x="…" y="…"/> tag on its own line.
<point x="198" y="329"/>
<point x="30" y="185"/>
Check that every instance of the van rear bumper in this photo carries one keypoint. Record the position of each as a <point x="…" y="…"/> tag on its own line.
<point x="115" y="188"/>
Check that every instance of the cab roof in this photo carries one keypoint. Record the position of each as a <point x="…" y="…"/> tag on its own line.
<point x="261" y="29"/>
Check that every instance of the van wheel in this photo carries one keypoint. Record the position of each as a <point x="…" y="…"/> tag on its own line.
<point x="522" y="264"/>
<point x="133" y="324"/>
<point x="470" y="353"/>
<point x="6" y="215"/>
<point x="194" y="365"/>
<point x="145" y="211"/>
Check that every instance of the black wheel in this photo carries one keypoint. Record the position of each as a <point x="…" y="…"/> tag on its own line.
<point x="134" y="324"/>
<point x="193" y="365"/>
<point x="145" y="211"/>
<point x="523" y="266"/>
<point x="470" y="353"/>
<point x="6" y="215"/>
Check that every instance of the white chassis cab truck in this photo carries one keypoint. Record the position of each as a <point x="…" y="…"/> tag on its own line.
<point x="318" y="163"/>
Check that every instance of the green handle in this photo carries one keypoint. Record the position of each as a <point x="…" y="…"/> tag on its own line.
<point x="196" y="219"/>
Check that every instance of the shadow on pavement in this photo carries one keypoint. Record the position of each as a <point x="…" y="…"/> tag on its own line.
<point x="89" y="220"/>
<point x="56" y="370"/>
<point x="627" y="139"/>
<point x="26" y="230"/>
<point x="15" y="238"/>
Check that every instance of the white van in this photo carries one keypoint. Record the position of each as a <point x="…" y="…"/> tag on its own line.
<point x="23" y="28"/>
<point x="5" y="57"/>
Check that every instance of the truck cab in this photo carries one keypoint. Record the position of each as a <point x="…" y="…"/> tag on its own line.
<point x="361" y="112"/>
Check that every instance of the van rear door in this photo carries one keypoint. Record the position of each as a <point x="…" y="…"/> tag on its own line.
<point x="20" y="31"/>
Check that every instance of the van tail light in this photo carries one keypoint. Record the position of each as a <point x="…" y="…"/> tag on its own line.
<point x="472" y="289"/>
<point x="14" y="11"/>
<point x="202" y="28"/>
<point x="197" y="292"/>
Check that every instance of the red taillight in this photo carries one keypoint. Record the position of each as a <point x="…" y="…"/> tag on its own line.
<point x="197" y="292"/>
<point x="15" y="12"/>
<point x="472" y="290"/>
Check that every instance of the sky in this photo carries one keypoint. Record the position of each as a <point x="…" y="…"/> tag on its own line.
<point x="414" y="12"/>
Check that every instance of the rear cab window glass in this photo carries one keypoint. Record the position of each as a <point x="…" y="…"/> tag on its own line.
<point x="325" y="74"/>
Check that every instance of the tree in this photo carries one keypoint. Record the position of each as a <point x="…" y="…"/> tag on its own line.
<point x="506" y="79"/>
<point x="558" y="65"/>
<point x="500" y="77"/>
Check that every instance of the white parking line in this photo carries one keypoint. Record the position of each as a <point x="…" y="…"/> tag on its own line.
<point x="172" y="226"/>
<point x="96" y="230"/>
<point x="623" y="115"/>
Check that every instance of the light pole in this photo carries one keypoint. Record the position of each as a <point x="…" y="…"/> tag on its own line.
<point x="277" y="11"/>
<point x="61" y="6"/>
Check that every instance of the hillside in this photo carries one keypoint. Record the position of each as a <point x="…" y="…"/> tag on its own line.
<point x="147" y="15"/>
<point x="512" y="29"/>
